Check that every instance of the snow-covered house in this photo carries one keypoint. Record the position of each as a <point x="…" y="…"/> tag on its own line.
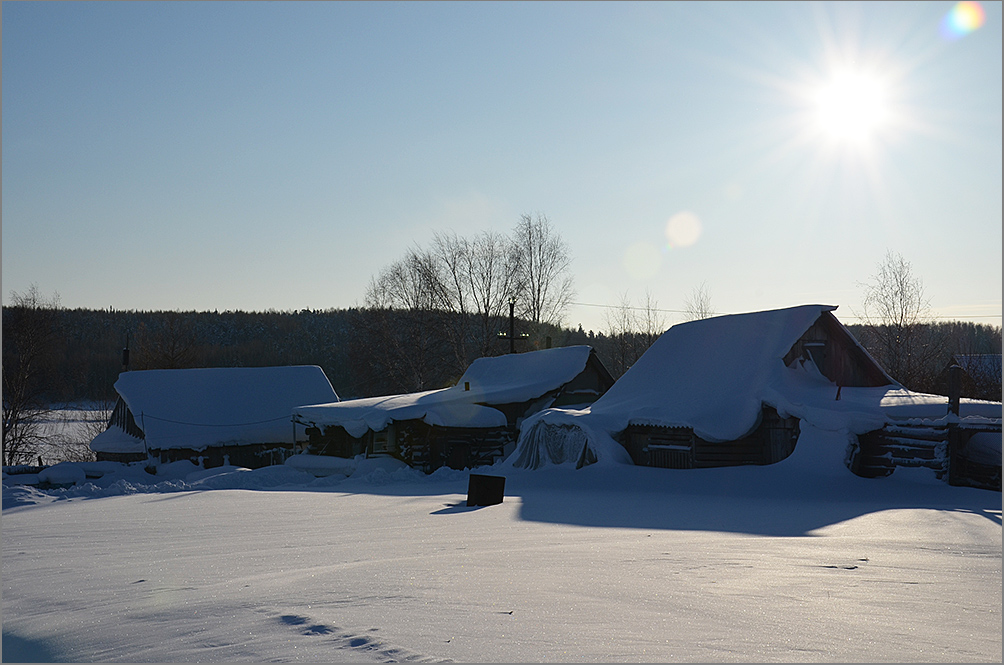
<point x="981" y="375"/>
<point x="466" y="425"/>
<point x="732" y="390"/>
<point x="236" y="415"/>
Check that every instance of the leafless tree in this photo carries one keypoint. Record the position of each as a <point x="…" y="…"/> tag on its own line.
<point x="493" y="271"/>
<point x="457" y="293"/>
<point x="405" y="322"/>
<point x="698" y="305"/>
<point x="632" y="330"/>
<point x="896" y="315"/>
<point x="452" y="254"/>
<point x="411" y="283"/>
<point x="545" y="283"/>
<point x="621" y="325"/>
<point x="30" y="337"/>
<point x="651" y="322"/>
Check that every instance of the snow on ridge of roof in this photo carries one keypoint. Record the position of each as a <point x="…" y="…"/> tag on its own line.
<point x="708" y="374"/>
<point x="198" y="408"/>
<point x="497" y="380"/>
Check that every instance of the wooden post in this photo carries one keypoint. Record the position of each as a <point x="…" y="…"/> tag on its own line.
<point x="125" y="355"/>
<point x="512" y="325"/>
<point x="954" y="389"/>
<point x="954" y="402"/>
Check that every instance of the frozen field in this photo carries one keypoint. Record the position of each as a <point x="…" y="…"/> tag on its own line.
<point x="799" y="561"/>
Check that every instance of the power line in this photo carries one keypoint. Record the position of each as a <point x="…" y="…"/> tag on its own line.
<point x="181" y="422"/>
<point x="643" y="309"/>
<point x="842" y="316"/>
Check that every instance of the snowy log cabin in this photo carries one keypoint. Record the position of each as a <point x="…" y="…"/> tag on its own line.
<point x="467" y="425"/>
<point x="733" y="390"/>
<point x="213" y="416"/>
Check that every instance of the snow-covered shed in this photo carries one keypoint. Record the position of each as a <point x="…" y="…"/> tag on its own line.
<point x="731" y="390"/>
<point x="239" y="415"/>
<point x="469" y="424"/>
<point x="981" y="375"/>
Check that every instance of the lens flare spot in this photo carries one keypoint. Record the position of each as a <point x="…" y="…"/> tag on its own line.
<point x="642" y="260"/>
<point x="962" y="19"/>
<point x="683" y="229"/>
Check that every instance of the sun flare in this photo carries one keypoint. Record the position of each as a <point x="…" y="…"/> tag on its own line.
<point x="851" y="107"/>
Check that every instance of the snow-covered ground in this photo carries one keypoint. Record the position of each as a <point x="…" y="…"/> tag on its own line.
<point x="798" y="561"/>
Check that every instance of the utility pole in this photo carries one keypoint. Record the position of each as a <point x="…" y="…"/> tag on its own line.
<point x="125" y="355"/>
<point x="512" y="327"/>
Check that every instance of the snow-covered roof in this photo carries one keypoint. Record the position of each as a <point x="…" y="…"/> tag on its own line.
<point x="448" y="407"/>
<point x="980" y="364"/>
<point x="715" y="375"/>
<point x="520" y="377"/>
<point x="200" y="408"/>
<point x="508" y="379"/>
<point x="115" y="440"/>
<point x="709" y="374"/>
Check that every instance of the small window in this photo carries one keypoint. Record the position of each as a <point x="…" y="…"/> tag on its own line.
<point x="384" y="441"/>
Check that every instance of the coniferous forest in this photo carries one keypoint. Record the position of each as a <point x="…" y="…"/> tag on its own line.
<point x="368" y="352"/>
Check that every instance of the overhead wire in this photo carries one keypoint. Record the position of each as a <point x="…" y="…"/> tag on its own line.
<point x="843" y="316"/>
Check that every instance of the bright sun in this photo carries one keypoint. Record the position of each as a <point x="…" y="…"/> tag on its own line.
<point x="851" y="107"/>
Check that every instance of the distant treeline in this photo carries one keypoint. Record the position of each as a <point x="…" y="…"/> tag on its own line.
<point x="368" y="352"/>
<point x="363" y="352"/>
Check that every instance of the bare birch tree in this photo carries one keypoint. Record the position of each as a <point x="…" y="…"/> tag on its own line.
<point x="698" y="304"/>
<point x="621" y="326"/>
<point x="632" y="330"/>
<point x="30" y="335"/>
<point x="545" y="281"/>
<point x="896" y="315"/>
<point x="405" y="323"/>
<point x="493" y="272"/>
<point x="651" y="322"/>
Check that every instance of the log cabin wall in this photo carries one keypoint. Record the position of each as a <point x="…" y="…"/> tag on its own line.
<point x="250" y="456"/>
<point x="771" y="441"/>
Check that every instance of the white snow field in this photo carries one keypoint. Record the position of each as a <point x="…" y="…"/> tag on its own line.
<point x="798" y="561"/>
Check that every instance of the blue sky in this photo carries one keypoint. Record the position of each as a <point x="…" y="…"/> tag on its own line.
<point x="277" y="155"/>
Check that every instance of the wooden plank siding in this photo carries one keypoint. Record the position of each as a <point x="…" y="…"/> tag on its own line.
<point x="587" y="387"/>
<point x="679" y="448"/>
<point x="428" y="448"/>
<point x="837" y="354"/>
<point x="249" y="456"/>
<point x="123" y="419"/>
<point x="422" y="446"/>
